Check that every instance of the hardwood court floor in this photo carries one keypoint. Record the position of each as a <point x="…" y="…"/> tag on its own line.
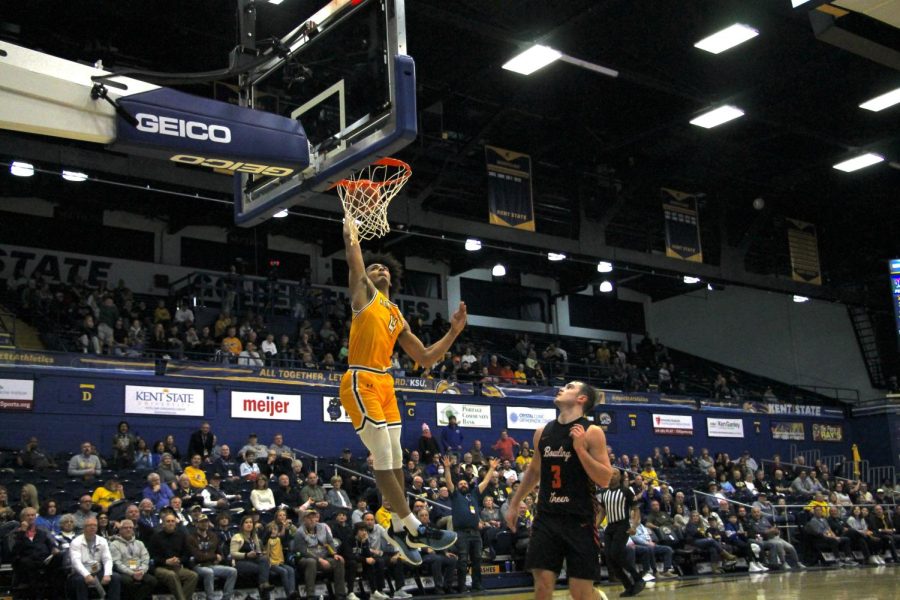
<point x="867" y="583"/>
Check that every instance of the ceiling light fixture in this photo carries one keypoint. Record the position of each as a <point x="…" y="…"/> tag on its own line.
<point x="796" y="3"/>
<point x="882" y="102"/>
<point x="859" y="162"/>
<point x="800" y="299"/>
<point x="606" y="287"/>
<point x="498" y="270"/>
<point x="21" y="169"/>
<point x="275" y="1"/>
<point x="280" y="214"/>
<point x="716" y="117"/>
<point x="727" y="38"/>
<point x="74" y="175"/>
<point x="604" y="267"/>
<point x="691" y="280"/>
<point x="556" y="256"/>
<point x="473" y="245"/>
<point x="533" y="59"/>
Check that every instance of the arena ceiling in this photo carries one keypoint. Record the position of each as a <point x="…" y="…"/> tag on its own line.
<point x="601" y="146"/>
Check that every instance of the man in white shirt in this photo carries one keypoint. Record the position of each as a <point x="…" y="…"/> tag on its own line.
<point x="250" y="357"/>
<point x="92" y="564"/>
<point x="268" y="347"/>
<point x="468" y="357"/>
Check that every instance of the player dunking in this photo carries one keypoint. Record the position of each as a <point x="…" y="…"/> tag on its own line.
<point x="569" y="458"/>
<point x="367" y="388"/>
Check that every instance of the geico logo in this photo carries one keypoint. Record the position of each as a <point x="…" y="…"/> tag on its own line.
<point x="194" y="130"/>
<point x="237" y="167"/>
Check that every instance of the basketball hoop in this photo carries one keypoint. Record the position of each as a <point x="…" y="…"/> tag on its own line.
<point x="367" y="194"/>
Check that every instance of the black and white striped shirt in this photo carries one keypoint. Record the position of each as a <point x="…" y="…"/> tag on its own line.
<point x="617" y="503"/>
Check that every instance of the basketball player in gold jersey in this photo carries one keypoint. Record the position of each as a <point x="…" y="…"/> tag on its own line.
<point x="367" y="388"/>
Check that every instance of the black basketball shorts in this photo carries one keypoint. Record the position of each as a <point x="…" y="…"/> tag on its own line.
<point x="554" y="538"/>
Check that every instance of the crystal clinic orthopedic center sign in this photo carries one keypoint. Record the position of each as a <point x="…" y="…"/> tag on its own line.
<point x="259" y="405"/>
<point x="523" y="417"/>
<point x="177" y="402"/>
<point x="673" y="424"/>
<point x="467" y="415"/>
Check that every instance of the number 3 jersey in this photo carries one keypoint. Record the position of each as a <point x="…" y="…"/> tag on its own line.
<point x="566" y="488"/>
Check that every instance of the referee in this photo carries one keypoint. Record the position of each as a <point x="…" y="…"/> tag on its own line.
<point x="617" y="502"/>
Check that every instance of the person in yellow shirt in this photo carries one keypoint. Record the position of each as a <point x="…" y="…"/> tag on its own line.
<point x="649" y="474"/>
<point x="818" y="500"/>
<point x="383" y="514"/>
<point x="195" y="473"/>
<point x="109" y="492"/>
<point x="367" y="387"/>
<point x="519" y="376"/>
<point x="231" y="343"/>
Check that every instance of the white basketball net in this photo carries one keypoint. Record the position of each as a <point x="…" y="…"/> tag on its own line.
<point x="367" y="194"/>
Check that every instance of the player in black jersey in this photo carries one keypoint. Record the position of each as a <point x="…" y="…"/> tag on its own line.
<point x="570" y="460"/>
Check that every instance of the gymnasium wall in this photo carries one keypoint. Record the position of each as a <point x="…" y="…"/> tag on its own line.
<point x="77" y="406"/>
<point x="767" y="334"/>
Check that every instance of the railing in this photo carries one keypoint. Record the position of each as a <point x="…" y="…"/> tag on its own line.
<point x="810" y="456"/>
<point x="409" y="494"/>
<point x="314" y="458"/>
<point x="878" y="475"/>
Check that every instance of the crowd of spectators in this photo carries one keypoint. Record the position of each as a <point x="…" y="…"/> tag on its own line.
<point x="114" y="321"/>
<point x="771" y="516"/>
<point x="134" y="519"/>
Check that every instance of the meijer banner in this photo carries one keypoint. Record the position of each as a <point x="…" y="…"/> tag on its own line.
<point x="258" y="405"/>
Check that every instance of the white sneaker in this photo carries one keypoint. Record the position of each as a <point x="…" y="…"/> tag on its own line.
<point x="762" y="568"/>
<point x="402" y="594"/>
<point x="648" y="576"/>
<point x="351" y="596"/>
<point x="753" y="567"/>
<point x="881" y="561"/>
<point x="377" y="595"/>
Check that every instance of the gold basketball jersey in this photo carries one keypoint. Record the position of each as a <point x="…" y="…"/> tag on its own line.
<point x="373" y="333"/>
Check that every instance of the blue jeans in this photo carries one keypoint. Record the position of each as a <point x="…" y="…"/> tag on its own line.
<point x="469" y="546"/>
<point x="259" y="567"/>
<point x="287" y="577"/>
<point x="208" y="576"/>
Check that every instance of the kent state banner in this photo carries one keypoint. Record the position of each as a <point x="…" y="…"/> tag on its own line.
<point x="682" y="225"/>
<point x="509" y="188"/>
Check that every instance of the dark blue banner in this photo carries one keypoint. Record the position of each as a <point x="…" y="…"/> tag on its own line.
<point x="682" y="226"/>
<point x="509" y="188"/>
<point x="895" y="292"/>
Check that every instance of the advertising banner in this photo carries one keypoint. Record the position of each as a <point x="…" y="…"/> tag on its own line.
<point x="16" y="394"/>
<point x="673" y="424"/>
<point x="467" y="415"/>
<point x="727" y="428"/>
<point x="178" y="402"/>
<point x="523" y="417"/>
<point x="788" y="430"/>
<point x="333" y="411"/>
<point x="258" y="405"/>
<point x="828" y="432"/>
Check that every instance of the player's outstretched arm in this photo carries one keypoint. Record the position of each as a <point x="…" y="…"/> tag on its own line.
<point x="361" y="287"/>
<point x="590" y="445"/>
<point x="430" y="355"/>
